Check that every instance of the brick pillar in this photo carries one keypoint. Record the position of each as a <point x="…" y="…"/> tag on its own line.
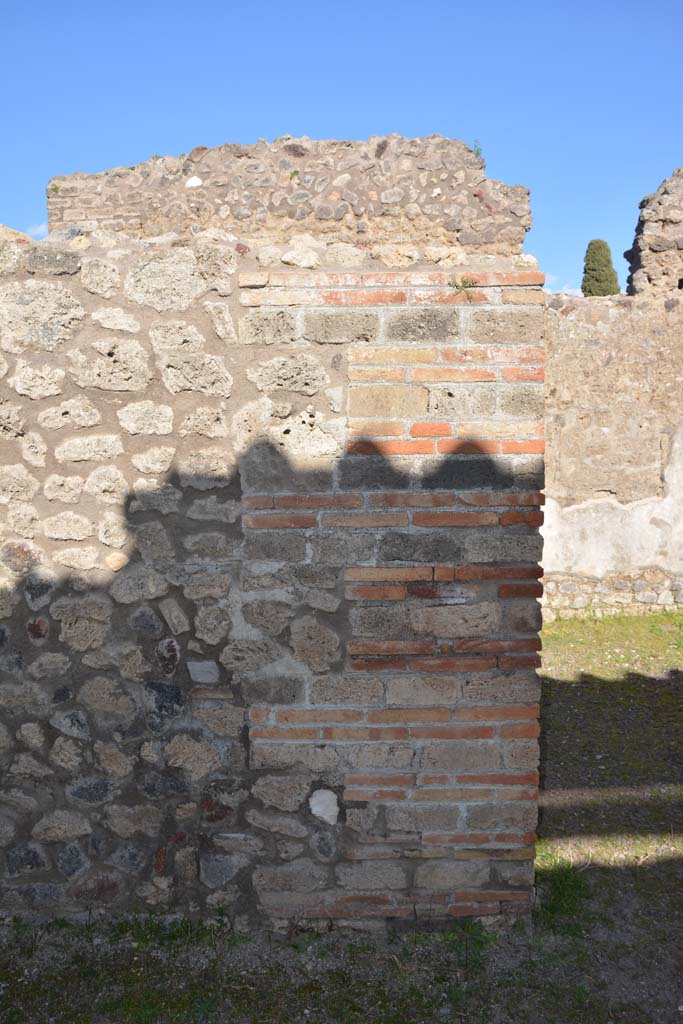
<point x="425" y="742"/>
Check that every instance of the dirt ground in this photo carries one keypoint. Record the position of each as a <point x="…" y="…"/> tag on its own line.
<point x="604" y="946"/>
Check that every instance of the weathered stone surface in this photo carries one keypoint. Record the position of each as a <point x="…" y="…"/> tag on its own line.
<point x="199" y="372"/>
<point x="303" y="375"/>
<point x="129" y="821"/>
<point x="267" y="327"/>
<point x="61" y="826"/>
<point x="341" y="328"/>
<point x="122" y="366"/>
<point x="84" y="621"/>
<point x="166" y="282"/>
<point x="314" y="643"/>
<point x="138" y="583"/>
<point x="207" y="421"/>
<point x="107" y="484"/>
<point x="116" y="319"/>
<point x="100" y="276"/>
<point x="146" y="418"/>
<point x="94" y="448"/>
<point x="36" y="382"/>
<point x="193" y="755"/>
<point x="217" y="869"/>
<point x="284" y="792"/>
<point x="222" y="321"/>
<point x="16" y="484"/>
<point x="324" y="804"/>
<point x="33" y="449"/>
<point x="154" y="460"/>
<point x="67" y="526"/>
<point x="36" y="316"/>
<point x="299" y="876"/>
<point x="74" y="413"/>
<point x="46" y="258"/>
<point x="66" y="489"/>
<point x="112" y="530"/>
<point x="106" y="697"/>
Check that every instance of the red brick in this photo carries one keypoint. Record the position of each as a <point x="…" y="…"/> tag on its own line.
<point x="363" y="297"/>
<point x="490" y="498"/>
<point x="523" y="373"/>
<point x="386" y="795"/>
<point x="522" y="518"/>
<point x="378" y="447"/>
<point x="284" y="734"/>
<point x="319" y="715"/>
<point x="435" y="374"/>
<point x="522" y="297"/>
<point x="497" y="646"/>
<point x="504" y="712"/>
<point x="452" y="795"/>
<point x="447" y="297"/>
<point x="377" y="664"/>
<point x="501" y="429"/>
<point x="510" y="779"/>
<point x="275" y="521"/>
<point x="389" y="573"/>
<point x="520" y="590"/>
<point x="430" y="430"/>
<point x="376" y="373"/>
<point x="408" y="499"/>
<point x="257" y="501"/>
<point x="520" y="732"/>
<point x="359" y="733"/>
<point x="452" y="664"/>
<point x="407" y="715"/>
<point x="523" y="447"/>
<point x="391" y="647"/>
<point x="407" y="779"/>
<point x="455" y="519"/>
<point x="478" y="909"/>
<point x="394" y="356"/>
<point x="317" y="501"/>
<point x="371" y="520"/>
<point x="462" y="447"/>
<point x="368" y="592"/>
<point x="515" y="661"/>
<point x="423" y="590"/>
<point x="456" y="838"/>
<point x="452" y="732"/>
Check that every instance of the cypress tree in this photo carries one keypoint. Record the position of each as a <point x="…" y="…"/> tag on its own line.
<point x="599" y="275"/>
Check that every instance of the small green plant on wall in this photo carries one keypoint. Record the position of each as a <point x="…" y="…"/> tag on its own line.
<point x="463" y="285"/>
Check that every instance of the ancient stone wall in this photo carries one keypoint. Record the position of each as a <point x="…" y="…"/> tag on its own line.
<point x="269" y="565"/>
<point x="656" y="258"/>
<point x="614" y="482"/>
<point x="430" y="196"/>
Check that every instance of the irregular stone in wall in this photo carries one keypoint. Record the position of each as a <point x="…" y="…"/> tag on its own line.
<point x="123" y="366"/>
<point x="12" y="422"/>
<point x="36" y="382"/>
<point x="154" y="542"/>
<point x="23" y="519"/>
<point x="314" y="643"/>
<point x="138" y="583"/>
<point x="16" y="484"/>
<point x="100" y="276"/>
<point x="284" y="792"/>
<point x="150" y="495"/>
<point x="33" y="449"/>
<point x="36" y="316"/>
<point x="112" y="530"/>
<point x="67" y="526"/>
<point x="83" y="558"/>
<point x="107" y="698"/>
<point x="210" y="509"/>
<point x="60" y="826"/>
<point x="129" y="821"/>
<point x="206" y="469"/>
<point x="115" y="319"/>
<point x="205" y="420"/>
<point x="46" y="258"/>
<point x="193" y="755"/>
<point x="95" y="448"/>
<point x="85" y="621"/>
<point x="302" y="374"/>
<point x="154" y="460"/>
<point x="146" y="418"/>
<point x="216" y="259"/>
<point x="222" y="321"/>
<point x="166" y="282"/>
<point x="267" y="327"/>
<point x="74" y="413"/>
<point x="212" y="622"/>
<point x="203" y="373"/>
<point x="107" y="484"/>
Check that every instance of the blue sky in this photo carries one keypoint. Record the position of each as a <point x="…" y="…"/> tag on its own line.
<point x="580" y="102"/>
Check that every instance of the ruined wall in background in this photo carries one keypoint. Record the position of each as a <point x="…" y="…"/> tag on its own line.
<point x="269" y="564"/>
<point x="614" y="483"/>
<point x="431" y="195"/>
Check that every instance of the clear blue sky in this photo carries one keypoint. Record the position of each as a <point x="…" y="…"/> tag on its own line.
<point x="580" y="102"/>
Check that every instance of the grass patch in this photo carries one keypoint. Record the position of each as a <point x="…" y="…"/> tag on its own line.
<point x="563" y="892"/>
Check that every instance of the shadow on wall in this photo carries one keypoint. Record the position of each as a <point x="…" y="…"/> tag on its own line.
<point x="122" y="699"/>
